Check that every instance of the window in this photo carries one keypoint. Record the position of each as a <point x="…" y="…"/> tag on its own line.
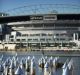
<point x="48" y="39"/>
<point x="57" y="34"/>
<point x="23" y="39"/>
<point x="44" y="34"/>
<point x="35" y="39"/>
<point x="27" y="34"/>
<point x="23" y="34"/>
<point x="57" y="39"/>
<point x="50" y="18"/>
<point x="32" y="34"/>
<point x="11" y="36"/>
<point x="48" y="25"/>
<point x="29" y="39"/>
<point x="18" y="39"/>
<point x="12" y="40"/>
<point x="37" y="34"/>
<point x="62" y="39"/>
<point x="37" y="25"/>
<point x="42" y="39"/>
<point x="50" y="34"/>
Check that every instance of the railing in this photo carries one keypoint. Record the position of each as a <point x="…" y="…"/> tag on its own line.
<point x="46" y="28"/>
<point x="44" y="22"/>
<point x="6" y="42"/>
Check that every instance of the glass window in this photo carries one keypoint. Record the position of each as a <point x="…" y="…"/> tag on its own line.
<point x="62" y="39"/>
<point x="23" y="39"/>
<point x="37" y="34"/>
<point x="42" y="39"/>
<point x="23" y="34"/>
<point x="35" y="39"/>
<point x="57" y="34"/>
<point x="32" y="34"/>
<point x="29" y="39"/>
<point x="18" y="39"/>
<point x="11" y="36"/>
<point x="57" y="39"/>
<point x="50" y="34"/>
<point x="49" y="17"/>
<point x="37" y="25"/>
<point x="44" y="34"/>
<point x="27" y="34"/>
<point x="12" y="40"/>
<point x="48" y="39"/>
<point x="48" y="25"/>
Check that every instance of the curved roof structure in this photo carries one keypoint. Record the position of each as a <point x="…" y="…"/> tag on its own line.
<point x="44" y="9"/>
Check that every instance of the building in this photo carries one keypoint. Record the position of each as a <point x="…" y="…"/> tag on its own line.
<point x="43" y="30"/>
<point x="3" y="27"/>
<point x="3" y="14"/>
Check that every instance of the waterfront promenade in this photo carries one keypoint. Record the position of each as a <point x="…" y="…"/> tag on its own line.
<point x="61" y="53"/>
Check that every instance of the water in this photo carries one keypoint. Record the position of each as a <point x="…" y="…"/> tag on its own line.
<point x="38" y="55"/>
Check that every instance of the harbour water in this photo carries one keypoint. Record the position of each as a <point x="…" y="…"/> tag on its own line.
<point x="38" y="55"/>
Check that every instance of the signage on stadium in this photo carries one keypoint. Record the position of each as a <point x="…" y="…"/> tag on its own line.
<point x="36" y="18"/>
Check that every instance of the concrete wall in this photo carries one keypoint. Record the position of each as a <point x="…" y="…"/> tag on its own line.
<point x="1" y="46"/>
<point x="8" y="46"/>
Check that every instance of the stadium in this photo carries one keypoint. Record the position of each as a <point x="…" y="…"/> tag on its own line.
<point x="40" y="28"/>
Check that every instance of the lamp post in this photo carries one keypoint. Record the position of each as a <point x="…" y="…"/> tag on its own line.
<point x="26" y="45"/>
<point x="21" y="45"/>
<point x="41" y="48"/>
<point x="54" y="40"/>
<point x="40" y="45"/>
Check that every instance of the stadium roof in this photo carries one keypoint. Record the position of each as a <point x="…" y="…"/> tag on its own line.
<point x="44" y="9"/>
<point x="6" y="19"/>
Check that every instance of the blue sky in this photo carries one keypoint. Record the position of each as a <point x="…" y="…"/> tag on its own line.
<point x="10" y="4"/>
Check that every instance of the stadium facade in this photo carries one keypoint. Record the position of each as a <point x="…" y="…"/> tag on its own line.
<point x="41" y="30"/>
